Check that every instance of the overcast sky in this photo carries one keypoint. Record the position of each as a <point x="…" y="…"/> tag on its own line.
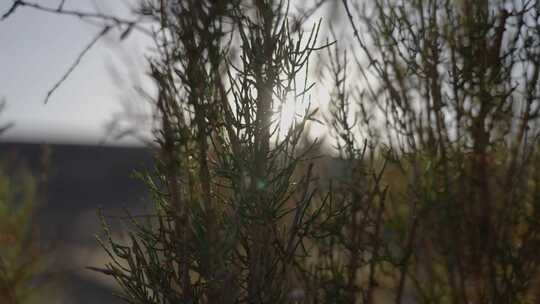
<point x="37" y="48"/>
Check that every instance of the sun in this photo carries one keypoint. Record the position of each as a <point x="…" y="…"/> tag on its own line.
<point x="292" y="111"/>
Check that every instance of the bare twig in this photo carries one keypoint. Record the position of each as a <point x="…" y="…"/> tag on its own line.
<point x="11" y="10"/>
<point x="60" y="10"/>
<point x="61" y="5"/>
<point x="76" y="62"/>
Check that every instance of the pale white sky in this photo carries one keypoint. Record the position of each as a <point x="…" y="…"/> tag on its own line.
<point x="36" y="49"/>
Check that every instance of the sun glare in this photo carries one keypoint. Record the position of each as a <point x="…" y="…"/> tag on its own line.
<point x="292" y="111"/>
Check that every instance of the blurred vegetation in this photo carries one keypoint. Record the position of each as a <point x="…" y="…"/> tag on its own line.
<point x="458" y="82"/>
<point x="23" y="258"/>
